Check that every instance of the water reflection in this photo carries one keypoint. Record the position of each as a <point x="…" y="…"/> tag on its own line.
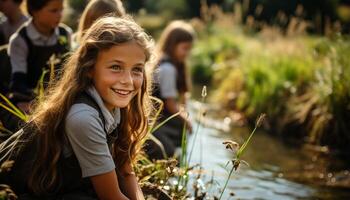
<point x="269" y="159"/>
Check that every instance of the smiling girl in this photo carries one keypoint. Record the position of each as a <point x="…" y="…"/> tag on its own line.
<point x="90" y="126"/>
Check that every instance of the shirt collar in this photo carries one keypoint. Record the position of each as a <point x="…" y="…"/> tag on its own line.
<point x="34" y="34"/>
<point x="112" y="119"/>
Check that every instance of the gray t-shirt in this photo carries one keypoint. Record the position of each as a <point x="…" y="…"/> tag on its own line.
<point x="167" y="75"/>
<point x="87" y="138"/>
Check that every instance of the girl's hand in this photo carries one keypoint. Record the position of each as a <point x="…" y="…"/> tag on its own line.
<point x="129" y="184"/>
<point x="106" y="186"/>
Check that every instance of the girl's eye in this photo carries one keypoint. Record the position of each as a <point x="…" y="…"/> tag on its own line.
<point x="138" y="70"/>
<point x="116" y="68"/>
<point x="55" y="10"/>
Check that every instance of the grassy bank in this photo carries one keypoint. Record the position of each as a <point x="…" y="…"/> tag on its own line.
<point x="301" y="81"/>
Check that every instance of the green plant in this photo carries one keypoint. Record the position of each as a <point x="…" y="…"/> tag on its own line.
<point x="7" y="105"/>
<point x="238" y="151"/>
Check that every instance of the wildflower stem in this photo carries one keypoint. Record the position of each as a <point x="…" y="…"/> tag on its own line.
<point x="193" y="143"/>
<point x="183" y="162"/>
<point x="197" y="130"/>
<point x="165" y="121"/>
<point x="160" y="145"/>
<point x="241" y="150"/>
<point x="161" y="106"/>
<point x="227" y="180"/>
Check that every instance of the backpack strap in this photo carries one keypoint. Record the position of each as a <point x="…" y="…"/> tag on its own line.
<point x="87" y="99"/>
<point x="24" y="34"/>
<point x="62" y="31"/>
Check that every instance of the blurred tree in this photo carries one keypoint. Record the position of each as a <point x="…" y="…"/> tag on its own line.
<point x="319" y="12"/>
<point x="77" y="5"/>
<point x="195" y="5"/>
<point x="133" y="6"/>
<point x="170" y="9"/>
<point x="345" y="2"/>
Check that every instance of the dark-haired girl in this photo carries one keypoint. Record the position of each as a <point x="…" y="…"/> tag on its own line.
<point x="172" y="84"/>
<point x="31" y="47"/>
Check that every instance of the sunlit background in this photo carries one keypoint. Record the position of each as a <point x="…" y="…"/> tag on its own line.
<point x="288" y="59"/>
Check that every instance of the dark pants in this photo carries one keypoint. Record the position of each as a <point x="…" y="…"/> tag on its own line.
<point x="170" y="135"/>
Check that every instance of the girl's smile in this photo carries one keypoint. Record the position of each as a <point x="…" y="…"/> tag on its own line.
<point x="122" y="92"/>
<point x="118" y="74"/>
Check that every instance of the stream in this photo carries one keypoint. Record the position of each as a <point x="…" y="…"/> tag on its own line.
<point x="270" y="160"/>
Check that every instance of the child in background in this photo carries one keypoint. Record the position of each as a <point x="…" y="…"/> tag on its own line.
<point x="90" y="125"/>
<point x="14" y="19"/>
<point x="94" y="10"/>
<point x="32" y="46"/>
<point x="172" y="84"/>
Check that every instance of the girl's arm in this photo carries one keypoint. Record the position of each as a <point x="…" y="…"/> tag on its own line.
<point x="18" y="52"/>
<point x="106" y="186"/>
<point x="128" y="183"/>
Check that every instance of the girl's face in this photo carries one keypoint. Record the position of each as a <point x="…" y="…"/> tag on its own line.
<point x="50" y="15"/>
<point x="8" y="6"/>
<point x="118" y="74"/>
<point x="182" y="50"/>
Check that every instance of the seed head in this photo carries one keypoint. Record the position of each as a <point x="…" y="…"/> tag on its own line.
<point x="6" y="166"/>
<point x="204" y="91"/>
<point x="260" y="120"/>
<point x="233" y="146"/>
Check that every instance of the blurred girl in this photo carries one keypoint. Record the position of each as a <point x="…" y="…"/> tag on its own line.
<point x="94" y="10"/>
<point x="14" y="19"/>
<point x="32" y="46"/>
<point x="90" y="125"/>
<point x="172" y="83"/>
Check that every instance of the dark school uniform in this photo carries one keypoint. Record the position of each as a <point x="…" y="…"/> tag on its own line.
<point x="30" y="51"/>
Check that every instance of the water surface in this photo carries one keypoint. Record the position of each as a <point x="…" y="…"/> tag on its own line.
<point x="269" y="161"/>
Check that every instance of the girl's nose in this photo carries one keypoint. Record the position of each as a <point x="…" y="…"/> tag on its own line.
<point x="126" y="77"/>
<point x="59" y="14"/>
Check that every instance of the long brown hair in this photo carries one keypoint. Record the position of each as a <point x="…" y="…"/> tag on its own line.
<point x="50" y="113"/>
<point x="96" y="9"/>
<point x="176" y="32"/>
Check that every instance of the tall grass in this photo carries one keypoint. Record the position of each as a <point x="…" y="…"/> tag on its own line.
<point x="10" y="107"/>
<point x="301" y="81"/>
